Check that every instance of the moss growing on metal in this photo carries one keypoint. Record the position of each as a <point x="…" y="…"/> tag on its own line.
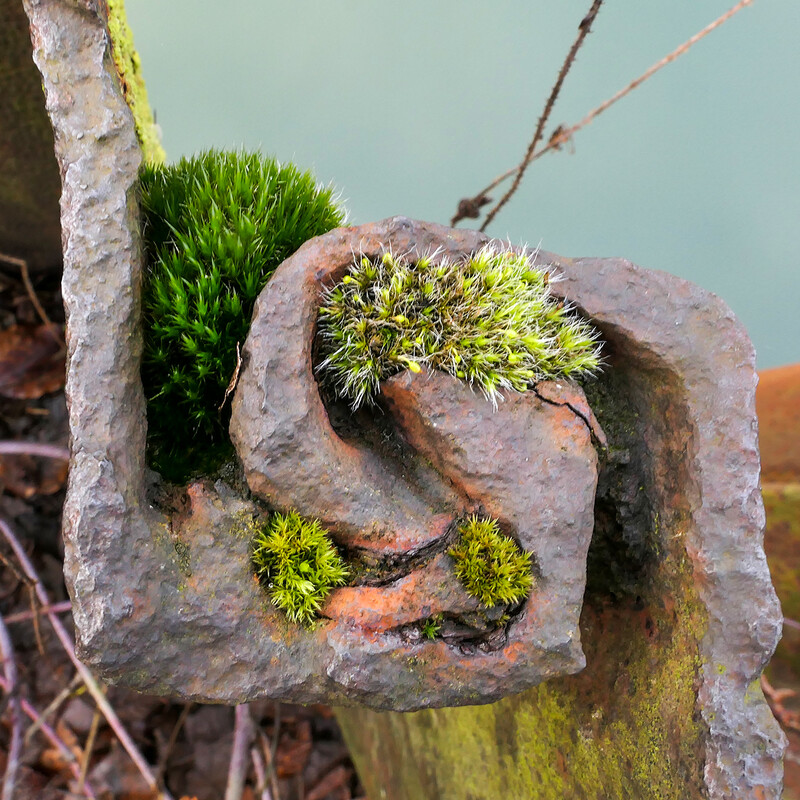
<point x="431" y="626"/>
<point x="298" y="565"/>
<point x="489" y="564"/>
<point x="216" y="226"/>
<point x="490" y="320"/>
<point x="625" y="728"/>
<point x="129" y="69"/>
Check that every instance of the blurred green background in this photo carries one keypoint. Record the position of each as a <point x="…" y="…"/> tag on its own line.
<point x="407" y="107"/>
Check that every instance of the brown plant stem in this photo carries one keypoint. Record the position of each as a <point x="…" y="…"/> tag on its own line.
<point x="88" y="748"/>
<point x="15" y="711"/>
<point x="86" y="676"/>
<point x="583" y="31"/>
<point x="9" y="448"/>
<point x="26" y="279"/>
<point x="563" y="134"/>
<point x="53" y="738"/>
<point x="243" y="737"/>
<point x="53" y="706"/>
<point x="173" y="738"/>
<point x="23" y="616"/>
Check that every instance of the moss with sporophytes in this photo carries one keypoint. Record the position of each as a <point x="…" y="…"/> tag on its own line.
<point x="298" y="565"/>
<point x="490" y="320"/>
<point x="216" y="226"/>
<point x="490" y="565"/>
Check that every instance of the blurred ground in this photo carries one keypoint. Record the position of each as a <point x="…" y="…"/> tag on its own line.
<point x="285" y="753"/>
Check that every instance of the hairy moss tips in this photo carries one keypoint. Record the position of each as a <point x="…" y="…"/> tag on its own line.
<point x="489" y="564"/>
<point x="216" y="226"/>
<point x="298" y="565"/>
<point x="490" y="320"/>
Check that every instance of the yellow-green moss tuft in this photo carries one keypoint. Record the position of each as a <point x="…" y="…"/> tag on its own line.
<point x="129" y="68"/>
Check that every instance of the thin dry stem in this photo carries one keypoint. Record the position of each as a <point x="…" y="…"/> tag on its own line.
<point x="564" y="134"/>
<point x="243" y="736"/>
<point x="583" y="32"/>
<point x="53" y="706"/>
<point x="261" y="775"/>
<point x="15" y="711"/>
<point x="9" y="448"/>
<point x="26" y="279"/>
<point x="173" y="738"/>
<point x="269" y="750"/>
<point x="37" y="633"/>
<point x="54" y="740"/>
<point x="86" y="676"/>
<point x="88" y="748"/>
<point x="24" y="616"/>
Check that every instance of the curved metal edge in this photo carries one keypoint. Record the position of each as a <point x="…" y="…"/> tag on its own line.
<point x="725" y="538"/>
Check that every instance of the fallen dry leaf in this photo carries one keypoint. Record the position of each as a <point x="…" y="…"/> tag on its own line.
<point x="293" y="752"/>
<point x="31" y="361"/>
<point x="26" y="476"/>
<point x="328" y="784"/>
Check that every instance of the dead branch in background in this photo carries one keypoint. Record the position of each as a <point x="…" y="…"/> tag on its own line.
<point x="86" y="676"/>
<point x="583" y="31"/>
<point x="469" y="207"/>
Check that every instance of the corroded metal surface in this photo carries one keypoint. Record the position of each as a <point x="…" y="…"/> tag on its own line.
<point x="165" y="601"/>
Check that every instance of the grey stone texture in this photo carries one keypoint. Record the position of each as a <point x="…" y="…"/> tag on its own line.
<point x="163" y="596"/>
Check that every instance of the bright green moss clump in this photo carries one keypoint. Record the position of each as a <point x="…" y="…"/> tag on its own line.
<point x="216" y="226"/>
<point x="298" y="565"/>
<point x="491" y="565"/>
<point x="489" y="320"/>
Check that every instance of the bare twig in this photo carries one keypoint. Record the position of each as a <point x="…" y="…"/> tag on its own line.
<point x="35" y="617"/>
<point x="788" y="623"/>
<point x="563" y="134"/>
<point x="26" y="279"/>
<point x="583" y="32"/>
<point x="269" y="751"/>
<point x="54" y="740"/>
<point x="15" y="747"/>
<point x="23" y="616"/>
<point x="164" y="757"/>
<point x="86" y="676"/>
<point x="88" y="748"/>
<point x="261" y="776"/>
<point x="8" y="448"/>
<point x="53" y="706"/>
<point x="243" y="736"/>
<point x="234" y="379"/>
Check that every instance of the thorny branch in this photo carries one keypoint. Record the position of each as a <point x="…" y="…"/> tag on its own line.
<point x="469" y="207"/>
